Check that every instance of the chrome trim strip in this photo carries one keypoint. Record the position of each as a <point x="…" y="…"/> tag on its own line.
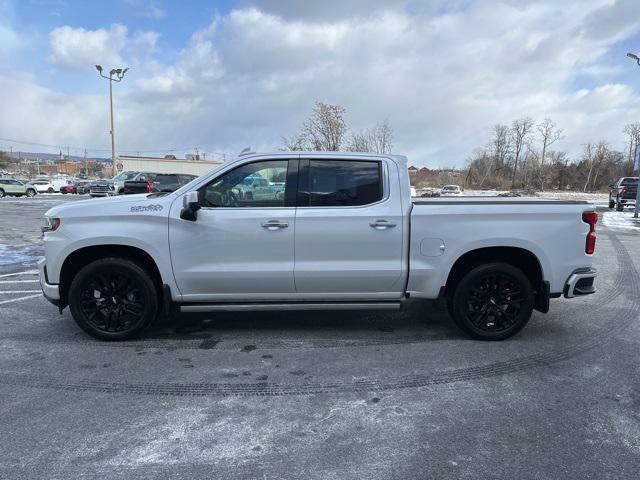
<point x="570" y="286"/>
<point x="253" y="307"/>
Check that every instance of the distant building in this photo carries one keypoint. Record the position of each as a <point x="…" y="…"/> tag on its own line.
<point x="412" y="170"/>
<point x="167" y="164"/>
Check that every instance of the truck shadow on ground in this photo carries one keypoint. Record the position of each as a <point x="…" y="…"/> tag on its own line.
<point x="416" y="320"/>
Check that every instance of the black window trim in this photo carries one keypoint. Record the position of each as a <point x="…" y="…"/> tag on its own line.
<point x="303" y="196"/>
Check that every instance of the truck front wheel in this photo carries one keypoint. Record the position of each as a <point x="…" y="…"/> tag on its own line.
<point x="113" y="299"/>
<point x="492" y="301"/>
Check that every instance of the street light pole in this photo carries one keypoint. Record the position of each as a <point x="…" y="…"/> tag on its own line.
<point x="115" y="75"/>
<point x="635" y="57"/>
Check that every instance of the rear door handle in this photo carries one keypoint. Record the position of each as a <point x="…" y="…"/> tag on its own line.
<point x="382" y="224"/>
<point x="274" y="225"/>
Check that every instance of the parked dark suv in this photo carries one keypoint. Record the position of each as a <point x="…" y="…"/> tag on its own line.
<point x="623" y="193"/>
<point x="160" y="182"/>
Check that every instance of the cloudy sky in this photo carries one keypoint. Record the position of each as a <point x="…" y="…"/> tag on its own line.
<point x="223" y="75"/>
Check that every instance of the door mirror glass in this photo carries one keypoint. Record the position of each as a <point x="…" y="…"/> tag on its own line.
<point x="191" y="205"/>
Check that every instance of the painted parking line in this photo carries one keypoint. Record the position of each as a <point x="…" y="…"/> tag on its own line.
<point x="20" y="298"/>
<point x="19" y="281"/>
<point x="28" y="272"/>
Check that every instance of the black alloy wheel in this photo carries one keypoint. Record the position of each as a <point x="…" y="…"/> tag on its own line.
<point x="493" y="302"/>
<point x="113" y="299"/>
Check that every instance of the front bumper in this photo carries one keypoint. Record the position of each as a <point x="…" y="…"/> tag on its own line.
<point x="50" y="291"/>
<point x="581" y="283"/>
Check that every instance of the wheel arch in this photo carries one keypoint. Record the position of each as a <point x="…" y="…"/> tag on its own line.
<point x="521" y="258"/>
<point x="77" y="259"/>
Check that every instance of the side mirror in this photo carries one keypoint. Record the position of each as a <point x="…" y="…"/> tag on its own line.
<point x="190" y="207"/>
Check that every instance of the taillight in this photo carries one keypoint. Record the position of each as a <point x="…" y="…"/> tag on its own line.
<point x="149" y="187"/>
<point x="591" y="218"/>
<point x="623" y="192"/>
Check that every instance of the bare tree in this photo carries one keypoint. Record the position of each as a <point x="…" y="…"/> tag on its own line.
<point x="325" y="129"/>
<point x="293" y="143"/>
<point x="378" y="139"/>
<point x="381" y="137"/>
<point x="520" y="136"/>
<point x="633" y="131"/>
<point x="500" y="146"/>
<point x="549" y="134"/>
<point x="588" y="157"/>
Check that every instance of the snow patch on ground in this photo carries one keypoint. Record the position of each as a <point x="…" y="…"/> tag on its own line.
<point x="12" y="257"/>
<point x="597" y="198"/>
<point x="621" y="221"/>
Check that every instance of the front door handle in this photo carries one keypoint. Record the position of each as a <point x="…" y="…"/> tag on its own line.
<point x="274" y="225"/>
<point x="382" y="224"/>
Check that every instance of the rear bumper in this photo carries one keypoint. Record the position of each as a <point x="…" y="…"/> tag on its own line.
<point x="581" y="282"/>
<point x="50" y="291"/>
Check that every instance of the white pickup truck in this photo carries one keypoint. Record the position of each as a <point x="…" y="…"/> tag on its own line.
<point x="345" y="235"/>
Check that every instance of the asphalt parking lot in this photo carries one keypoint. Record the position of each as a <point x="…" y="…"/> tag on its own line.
<point x="320" y="395"/>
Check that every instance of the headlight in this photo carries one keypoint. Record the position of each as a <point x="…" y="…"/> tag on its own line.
<point x="50" y="224"/>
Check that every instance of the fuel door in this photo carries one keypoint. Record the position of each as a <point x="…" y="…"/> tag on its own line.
<point x="432" y="247"/>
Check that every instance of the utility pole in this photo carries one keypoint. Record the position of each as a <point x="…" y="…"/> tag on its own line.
<point x="86" y="165"/>
<point x="633" y="56"/>
<point x="115" y="75"/>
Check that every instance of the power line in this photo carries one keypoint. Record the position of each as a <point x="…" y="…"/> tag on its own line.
<point x="135" y="150"/>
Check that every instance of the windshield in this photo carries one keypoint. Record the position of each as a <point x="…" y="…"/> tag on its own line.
<point x="125" y="176"/>
<point x="630" y="181"/>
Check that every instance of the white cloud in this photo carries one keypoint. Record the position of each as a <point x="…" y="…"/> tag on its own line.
<point x="148" y="8"/>
<point x="80" y="49"/>
<point x="442" y="74"/>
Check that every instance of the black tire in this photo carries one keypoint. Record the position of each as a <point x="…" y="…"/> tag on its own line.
<point x="113" y="290"/>
<point x="50" y="190"/>
<point x="1" y="193"/>
<point x="31" y="192"/>
<point x="611" y="203"/>
<point x="619" y="207"/>
<point x="492" y="302"/>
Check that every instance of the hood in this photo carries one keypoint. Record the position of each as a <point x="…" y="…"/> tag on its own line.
<point x="108" y="205"/>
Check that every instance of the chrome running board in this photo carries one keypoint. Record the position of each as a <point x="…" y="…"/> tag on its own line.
<point x="257" y="307"/>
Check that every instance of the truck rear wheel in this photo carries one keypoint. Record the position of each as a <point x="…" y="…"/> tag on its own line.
<point x="492" y="302"/>
<point x="113" y="299"/>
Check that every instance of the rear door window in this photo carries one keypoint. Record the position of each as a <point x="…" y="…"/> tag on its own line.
<point x="344" y="183"/>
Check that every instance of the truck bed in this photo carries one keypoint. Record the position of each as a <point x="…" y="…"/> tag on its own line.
<point x="443" y="229"/>
<point x="484" y="200"/>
